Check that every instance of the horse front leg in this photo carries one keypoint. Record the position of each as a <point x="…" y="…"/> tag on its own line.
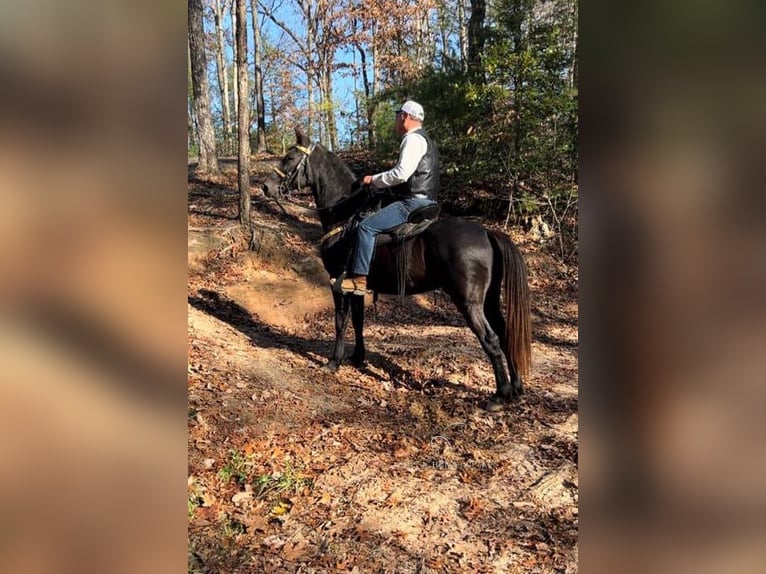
<point x="342" y="304"/>
<point x="357" y="321"/>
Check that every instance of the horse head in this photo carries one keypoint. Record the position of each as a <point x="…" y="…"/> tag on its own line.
<point x="331" y="180"/>
<point x="292" y="172"/>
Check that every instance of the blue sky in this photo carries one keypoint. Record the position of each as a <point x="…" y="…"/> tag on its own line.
<point x="343" y="82"/>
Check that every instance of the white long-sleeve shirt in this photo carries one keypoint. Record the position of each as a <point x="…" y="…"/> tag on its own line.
<point x="411" y="151"/>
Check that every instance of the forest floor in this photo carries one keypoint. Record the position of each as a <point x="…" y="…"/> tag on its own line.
<point x="393" y="468"/>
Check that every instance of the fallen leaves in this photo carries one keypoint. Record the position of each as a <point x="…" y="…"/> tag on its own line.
<point x="240" y="497"/>
<point x="340" y="472"/>
<point x="473" y="508"/>
<point x="298" y="547"/>
<point x="325" y="499"/>
<point x="255" y="521"/>
<point x="274" y="542"/>
<point x="395" y="498"/>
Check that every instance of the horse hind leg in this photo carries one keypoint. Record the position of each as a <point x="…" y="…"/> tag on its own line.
<point x="494" y="314"/>
<point x="490" y="342"/>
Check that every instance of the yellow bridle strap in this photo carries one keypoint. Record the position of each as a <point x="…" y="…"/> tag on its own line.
<point x="329" y="234"/>
<point x="282" y="174"/>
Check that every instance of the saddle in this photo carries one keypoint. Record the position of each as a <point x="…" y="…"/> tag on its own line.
<point x="418" y="221"/>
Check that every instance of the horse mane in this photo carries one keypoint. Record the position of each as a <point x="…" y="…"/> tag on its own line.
<point x="333" y="177"/>
<point x="336" y="188"/>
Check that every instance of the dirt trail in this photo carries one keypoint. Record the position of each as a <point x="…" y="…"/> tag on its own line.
<point x="391" y="468"/>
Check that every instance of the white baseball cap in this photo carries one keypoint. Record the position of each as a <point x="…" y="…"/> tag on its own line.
<point x="414" y="109"/>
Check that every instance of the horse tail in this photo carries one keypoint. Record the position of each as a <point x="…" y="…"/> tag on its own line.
<point x="518" y="327"/>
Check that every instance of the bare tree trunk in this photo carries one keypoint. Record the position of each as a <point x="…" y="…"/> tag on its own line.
<point x="329" y="107"/>
<point x="429" y="45"/>
<point x="306" y="6"/>
<point x="418" y="33"/>
<point x="375" y="86"/>
<point x="321" y="119"/>
<point x="236" y="67"/>
<point x="462" y="34"/>
<point x="575" y="47"/>
<point x="223" y="80"/>
<point x="260" y="106"/>
<point x="476" y="34"/>
<point x="208" y="162"/>
<point x="374" y="54"/>
<point x="423" y="45"/>
<point x="191" y="120"/>
<point x="444" y="32"/>
<point x="368" y="105"/>
<point x="370" y="92"/>
<point x="357" y="116"/>
<point x="243" y="112"/>
<point x="273" y="107"/>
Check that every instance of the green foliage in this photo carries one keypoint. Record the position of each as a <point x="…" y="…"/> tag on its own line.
<point x="507" y="130"/>
<point x="237" y="468"/>
<point x="287" y="481"/>
<point x="193" y="501"/>
<point x="231" y="528"/>
<point x="385" y="122"/>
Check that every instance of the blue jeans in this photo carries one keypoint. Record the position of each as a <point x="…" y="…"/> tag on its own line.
<point x="384" y="220"/>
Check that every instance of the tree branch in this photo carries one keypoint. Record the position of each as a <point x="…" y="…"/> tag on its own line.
<point x="269" y="14"/>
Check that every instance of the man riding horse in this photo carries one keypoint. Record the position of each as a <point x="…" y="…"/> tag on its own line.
<point x="470" y="263"/>
<point x="415" y="183"/>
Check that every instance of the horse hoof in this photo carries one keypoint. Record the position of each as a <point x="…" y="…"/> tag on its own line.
<point x="495" y="404"/>
<point x="330" y="367"/>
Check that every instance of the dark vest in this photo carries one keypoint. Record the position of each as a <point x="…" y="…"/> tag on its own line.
<point x="426" y="177"/>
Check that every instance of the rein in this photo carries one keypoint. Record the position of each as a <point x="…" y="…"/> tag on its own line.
<point x="332" y="233"/>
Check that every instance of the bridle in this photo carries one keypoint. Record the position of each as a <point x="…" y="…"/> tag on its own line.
<point x="290" y="180"/>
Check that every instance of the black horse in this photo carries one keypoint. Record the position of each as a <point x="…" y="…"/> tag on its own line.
<point x="467" y="261"/>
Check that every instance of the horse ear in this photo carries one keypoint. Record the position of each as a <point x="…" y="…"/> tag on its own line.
<point x="301" y="138"/>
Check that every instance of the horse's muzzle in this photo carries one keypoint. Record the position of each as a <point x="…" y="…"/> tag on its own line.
<point x="270" y="189"/>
